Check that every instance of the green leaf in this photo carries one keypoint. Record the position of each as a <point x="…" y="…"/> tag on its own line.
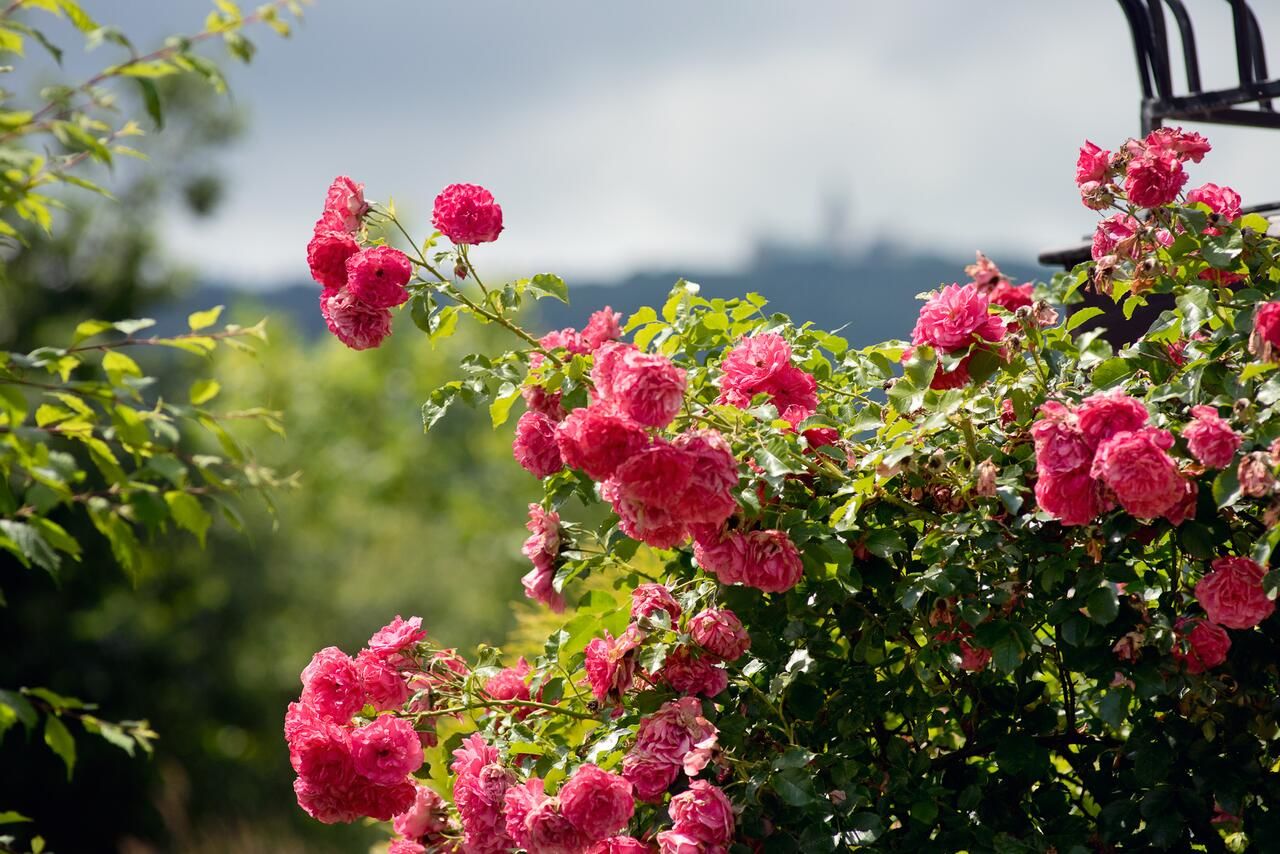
<point x="28" y="544"/>
<point x="548" y="285"/>
<point x="1114" y="707"/>
<point x="60" y="742"/>
<point x="885" y="542"/>
<point x="151" y="100"/>
<point x="78" y="16"/>
<point x="11" y="817"/>
<point x="1103" y="605"/>
<point x="203" y="319"/>
<point x="203" y="391"/>
<point x="1111" y="372"/>
<point x="1083" y="316"/>
<point x="188" y="513"/>
<point x="500" y="408"/>
<point x="118" y="365"/>
<point x="794" y="786"/>
<point x="1226" y="487"/>
<point x="441" y="399"/>
<point x="15" y="708"/>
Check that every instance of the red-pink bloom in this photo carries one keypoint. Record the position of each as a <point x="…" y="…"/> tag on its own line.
<point x="518" y="802"/>
<point x="678" y="735"/>
<point x="687" y="673"/>
<point x="509" y="684"/>
<point x="1061" y="447"/>
<point x="597" y="802"/>
<point x="428" y="816"/>
<point x="985" y="273"/>
<point x="359" y="326"/>
<point x="650" y="774"/>
<point x="547" y="402"/>
<point x="770" y="561"/>
<point x="480" y="800"/>
<point x="1154" y="178"/>
<point x="384" y="687"/>
<point x="405" y="846"/>
<point x="327" y="255"/>
<point x="1255" y="474"/>
<point x="761" y="364"/>
<point x="397" y="636"/>
<point x="645" y="387"/>
<point x="973" y="658"/>
<point x="720" y="632"/>
<point x="611" y="664"/>
<point x="721" y="555"/>
<point x="1185" y="145"/>
<point x="597" y="440"/>
<point x="542" y="548"/>
<point x="331" y="685"/>
<point x="704" y="813"/>
<point x="956" y="317"/>
<point x="648" y="599"/>
<point x="1111" y="232"/>
<point x="1265" y="340"/>
<point x="708" y="496"/>
<point x="1221" y="200"/>
<point x="676" y="842"/>
<point x="319" y="749"/>
<point x="603" y="325"/>
<point x="1232" y="593"/>
<point x="466" y="213"/>
<point x="1092" y="166"/>
<point x="344" y="205"/>
<point x="1011" y="297"/>
<point x="1137" y="467"/>
<point x="472" y="756"/>
<point x="551" y="832"/>
<point x="324" y="803"/>
<point x="645" y="491"/>
<point x="376" y="276"/>
<point x="387" y="750"/>
<point x="1210" y="438"/>
<point x="620" y="845"/>
<point x="534" y="446"/>
<point x="1207" y="645"/>
<point x="1104" y="415"/>
<point x="384" y="803"/>
<point x="539" y="585"/>
<point x="1071" y="498"/>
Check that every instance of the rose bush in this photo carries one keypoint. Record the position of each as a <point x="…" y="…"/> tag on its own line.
<point x="1003" y="586"/>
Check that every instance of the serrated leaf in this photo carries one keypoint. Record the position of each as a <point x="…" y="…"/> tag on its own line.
<point x="29" y="545"/>
<point x="547" y="284"/>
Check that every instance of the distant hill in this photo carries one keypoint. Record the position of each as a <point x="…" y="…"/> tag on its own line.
<point x="871" y="295"/>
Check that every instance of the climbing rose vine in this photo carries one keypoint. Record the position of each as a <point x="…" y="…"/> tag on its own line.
<point x="1003" y="586"/>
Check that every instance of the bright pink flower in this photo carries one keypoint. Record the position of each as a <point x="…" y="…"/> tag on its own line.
<point x="1256" y="474"/>
<point x="387" y="750"/>
<point x="597" y="440"/>
<point x="650" y="774"/>
<point x="1011" y="297"/>
<point x="551" y="832"/>
<point x="568" y="339"/>
<point x="1092" y="166"/>
<point x="1071" y="498"/>
<point x="359" y="326"/>
<point x="620" y="845"/>
<point x="319" y="749"/>
<point x="384" y="803"/>
<point x="611" y="664"/>
<point x="324" y="803"/>
<point x="648" y="599"/>
<point x="645" y="387"/>
<point x="761" y="364"/>
<point x="1232" y="593"/>
<point x="376" y="276"/>
<point x="956" y="317"/>
<point x="1154" y="178"/>
<point x="708" y="496"/>
<point x="384" y="688"/>
<point x="1061" y="447"/>
<point x="542" y="548"/>
<point x="1138" y="469"/>
<point x="1266" y="330"/>
<point x="472" y="756"/>
<point x="466" y="213"/>
<point x="509" y="684"/>
<point x="1111" y="232"/>
<point x="344" y="204"/>
<point x="1185" y="145"/>
<point x="539" y="585"/>
<point x="331" y="685"/>
<point x="676" y="842"/>
<point x="405" y="846"/>
<point x="534" y="446"/>
<point x="603" y="325"/>
<point x="676" y="736"/>
<point x="704" y="813"/>
<point x="1207" y="644"/>
<point x="1221" y="200"/>
<point x="722" y="556"/>
<point x="518" y="802"/>
<point x="985" y="273"/>
<point x="973" y="658"/>
<point x="644" y="492"/>
<point x="597" y="802"/>
<point x="1210" y="438"/>
<point x="1185" y="507"/>
<point x="794" y="393"/>
<point x="1104" y="415"/>
<point x="327" y="255"/>
<point x="397" y="636"/>
<point x="480" y="799"/>
<point x="687" y="673"/>
<point x="547" y="402"/>
<point x="770" y="561"/>
<point x="428" y="816"/>
<point x="720" y="632"/>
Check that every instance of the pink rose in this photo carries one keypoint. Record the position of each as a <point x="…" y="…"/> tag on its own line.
<point x="1092" y="166"/>
<point x="1207" y="645"/>
<point x="380" y="802"/>
<point x="466" y="213"/>
<point x="956" y="317"/>
<point x="472" y="756"/>
<point x="387" y="750"/>
<point x="320" y="751"/>
<point x="720" y="632"/>
<point x="359" y="326"/>
<point x="1138" y="469"/>
<point x="722" y="556"/>
<point x="510" y="684"/>
<point x="405" y="846"/>
<point x="543" y="545"/>
<point x="551" y="832"/>
<point x="770" y="561"/>
<point x="518" y="802"/>
<point x="480" y="800"/>
<point x="761" y="364"/>
<point x="1211" y="439"/>
<point x="1266" y="330"/>
<point x="1061" y="447"/>
<point x="331" y="685"/>
<point x="1154" y="178"/>
<point x="1070" y="498"/>
<point x="597" y="440"/>
<point x="708" y="496"/>
<point x="547" y="402"/>
<point x="1223" y="201"/>
<point x="325" y="803"/>
<point x="676" y="842"/>
<point x="611" y="664"/>
<point x="651" y="775"/>
<point x="648" y="599"/>
<point x="704" y="813"/>
<point x="397" y="636"/>
<point x="1012" y="297"/>
<point x="1185" y="145"/>
<point x="644" y="492"/>
<point x="376" y="276"/>
<point x="384" y="688"/>
<point x="327" y="255"/>
<point x="539" y="585"/>
<point x="428" y="816"/>
<point x="1111" y="232"/>
<point x="620" y="845"/>
<point x="534" y="446"/>
<point x="1255" y="474"/>
<point x="690" y="674"/>
<point x="1232" y="593"/>
<point x="1104" y="415"/>
<point x="597" y="802"/>
<point x="973" y="658"/>
<point x="645" y="387"/>
<point x="344" y="204"/>
<point x="603" y="325"/>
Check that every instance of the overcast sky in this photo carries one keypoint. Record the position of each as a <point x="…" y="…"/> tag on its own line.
<point x="631" y="135"/>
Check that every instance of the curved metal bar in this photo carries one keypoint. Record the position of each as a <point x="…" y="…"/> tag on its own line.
<point x="1188" y="38"/>
<point x="1137" y="17"/>
<point x="1160" y="49"/>
<point x="1259" y="56"/>
<point x="1240" y="18"/>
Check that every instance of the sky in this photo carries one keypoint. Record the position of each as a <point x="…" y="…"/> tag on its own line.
<point x="666" y="135"/>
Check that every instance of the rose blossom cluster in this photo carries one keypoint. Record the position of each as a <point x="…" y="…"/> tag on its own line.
<point x="764" y="559"/>
<point x="952" y="321"/>
<point x="702" y="821"/>
<point x="467" y="214"/>
<point x="1150" y="169"/>
<point x="1210" y="438"/>
<point x="349" y="767"/>
<point x="542" y="548"/>
<point x="761" y="364"/>
<point x="1232" y="594"/>
<point x="673" y="739"/>
<point x="361" y="285"/>
<point x="1102" y="452"/>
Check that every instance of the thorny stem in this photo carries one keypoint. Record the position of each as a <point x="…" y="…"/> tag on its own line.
<point x="489" y="704"/>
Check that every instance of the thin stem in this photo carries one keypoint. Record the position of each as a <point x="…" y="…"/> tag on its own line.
<point x="524" y="704"/>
